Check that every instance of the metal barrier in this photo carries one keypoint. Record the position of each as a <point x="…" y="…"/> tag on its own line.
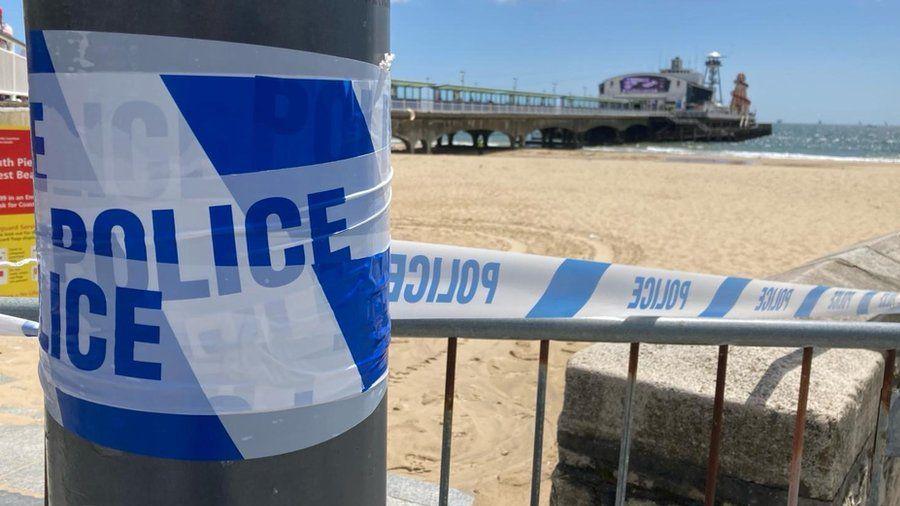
<point x="879" y="336"/>
<point x="13" y="70"/>
<point x="659" y="330"/>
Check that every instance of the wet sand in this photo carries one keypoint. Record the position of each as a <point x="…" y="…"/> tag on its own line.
<point x="707" y="214"/>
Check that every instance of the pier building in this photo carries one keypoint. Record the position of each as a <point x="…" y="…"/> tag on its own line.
<point x="673" y="89"/>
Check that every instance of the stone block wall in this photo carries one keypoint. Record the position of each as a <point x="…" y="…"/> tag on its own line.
<point x="674" y="402"/>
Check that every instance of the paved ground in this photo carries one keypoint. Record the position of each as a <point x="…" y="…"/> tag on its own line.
<point x="21" y="462"/>
<point x="10" y="499"/>
<point x="404" y="491"/>
<point x="22" y="468"/>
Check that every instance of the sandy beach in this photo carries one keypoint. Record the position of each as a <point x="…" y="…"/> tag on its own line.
<point x="705" y="213"/>
<point x="708" y="214"/>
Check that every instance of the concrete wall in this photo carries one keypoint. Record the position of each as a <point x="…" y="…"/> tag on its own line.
<point x="673" y="411"/>
<point x="14" y="117"/>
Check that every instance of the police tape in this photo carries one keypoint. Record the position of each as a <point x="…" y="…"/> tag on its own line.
<point x="20" y="263"/>
<point x="441" y="281"/>
<point x="438" y="281"/>
<point x="12" y="326"/>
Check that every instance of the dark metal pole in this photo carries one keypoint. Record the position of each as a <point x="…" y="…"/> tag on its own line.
<point x="876" y="486"/>
<point x="715" y="438"/>
<point x="627" y="419"/>
<point x="540" y="406"/>
<point x="349" y="468"/>
<point x="447" y="435"/>
<point x="799" y="429"/>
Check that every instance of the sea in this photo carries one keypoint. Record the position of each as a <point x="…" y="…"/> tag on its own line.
<point x="860" y="143"/>
<point x="870" y="143"/>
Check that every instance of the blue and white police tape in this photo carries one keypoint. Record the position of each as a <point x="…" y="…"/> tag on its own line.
<point x="12" y="326"/>
<point x="212" y="224"/>
<point x="436" y="281"/>
<point x="440" y="281"/>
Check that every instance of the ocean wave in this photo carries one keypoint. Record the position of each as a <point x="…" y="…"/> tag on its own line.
<point x="741" y="154"/>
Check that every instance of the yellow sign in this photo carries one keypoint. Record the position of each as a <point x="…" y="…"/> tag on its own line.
<point x="17" y="243"/>
<point x="16" y="214"/>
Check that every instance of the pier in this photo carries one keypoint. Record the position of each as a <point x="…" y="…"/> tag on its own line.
<point x="426" y="114"/>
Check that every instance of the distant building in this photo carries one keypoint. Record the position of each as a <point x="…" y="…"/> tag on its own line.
<point x="674" y="88"/>
<point x="7" y="30"/>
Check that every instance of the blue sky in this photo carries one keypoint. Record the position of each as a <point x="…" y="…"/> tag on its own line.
<point x="829" y="60"/>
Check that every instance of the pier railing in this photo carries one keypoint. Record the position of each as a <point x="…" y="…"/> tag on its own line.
<point x="678" y="331"/>
<point x="531" y="110"/>
<point x="608" y="111"/>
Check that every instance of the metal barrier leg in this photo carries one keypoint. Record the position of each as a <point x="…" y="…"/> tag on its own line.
<point x="876" y="486"/>
<point x="625" y="445"/>
<point x="715" y="438"/>
<point x="46" y="495"/>
<point x="539" y="406"/>
<point x="799" y="427"/>
<point x="447" y="437"/>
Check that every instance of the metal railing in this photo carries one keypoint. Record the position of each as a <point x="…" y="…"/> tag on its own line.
<point x="879" y="336"/>
<point x="678" y="331"/>
<point x="532" y="110"/>
<point x="429" y="106"/>
<point x="13" y="69"/>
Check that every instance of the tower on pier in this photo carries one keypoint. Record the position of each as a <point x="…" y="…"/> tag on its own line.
<point x="713" y="79"/>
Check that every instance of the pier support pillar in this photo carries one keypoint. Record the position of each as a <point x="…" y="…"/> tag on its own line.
<point x="578" y="140"/>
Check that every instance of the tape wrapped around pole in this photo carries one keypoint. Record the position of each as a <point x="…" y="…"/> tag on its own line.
<point x="212" y="184"/>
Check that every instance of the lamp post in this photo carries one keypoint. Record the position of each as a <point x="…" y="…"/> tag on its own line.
<point x="214" y="324"/>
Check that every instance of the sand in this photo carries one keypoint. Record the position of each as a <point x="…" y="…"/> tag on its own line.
<point x="722" y="216"/>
